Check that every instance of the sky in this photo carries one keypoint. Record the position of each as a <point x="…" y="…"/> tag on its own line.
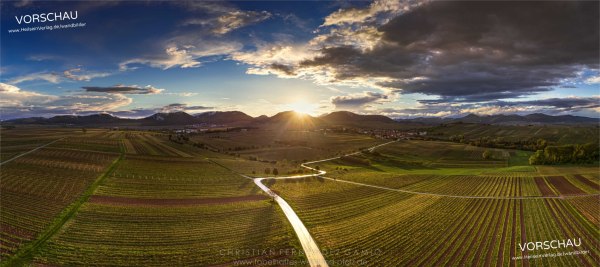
<point x="402" y="59"/>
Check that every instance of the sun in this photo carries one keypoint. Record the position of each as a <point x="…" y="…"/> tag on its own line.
<point x="303" y="107"/>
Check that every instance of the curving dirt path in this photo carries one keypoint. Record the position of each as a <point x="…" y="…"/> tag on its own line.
<point x="309" y="245"/>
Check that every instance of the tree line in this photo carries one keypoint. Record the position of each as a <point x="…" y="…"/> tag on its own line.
<point x="531" y="144"/>
<point x="545" y="153"/>
<point x="584" y="153"/>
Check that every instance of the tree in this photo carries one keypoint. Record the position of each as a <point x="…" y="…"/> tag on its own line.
<point x="486" y="154"/>
<point x="317" y="168"/>
<point x="275" y="171"/>
<point x="541" y="144"/>
<point x="537" y="158"/>
<point x="586" y="153"/>
<point x="84" y="130"/>
<point x="267" y="170"/>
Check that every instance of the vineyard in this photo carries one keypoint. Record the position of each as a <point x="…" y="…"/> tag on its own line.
<point x="37" y="187"/>
<point x="173" y="211"/>
<point x="17" y="141"/>
<point x="561" y="134"/>
<point x="199" y="235"/>
<point x="122" y="198"/>
<point x="271" y="145"/>
<point x="149" y="144"/>
<point x="157" y="177"/>
<point x="414" y="230"/>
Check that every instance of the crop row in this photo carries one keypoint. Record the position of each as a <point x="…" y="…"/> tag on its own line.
<point x="415" y="230"/>
<point x="150" y="145"/>
<point x="170" y="178"/>
<point x="475" y="186"/>
<point x="37" y="187"/>
<point x="460" y="185"/>
<point x="89" y="143"/>
<point x="111" y="235"/>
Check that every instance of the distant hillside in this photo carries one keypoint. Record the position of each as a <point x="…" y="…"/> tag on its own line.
<point x="72" y="119"/>
<point x="554" y="133"/>
<point x="291" y="119"/>
<point x="173" y="118"/>
<point x="221" y="117"/>
<point x="536" y="118"/>
<point x="346" y="117"/>
<point x="349" y="119"/>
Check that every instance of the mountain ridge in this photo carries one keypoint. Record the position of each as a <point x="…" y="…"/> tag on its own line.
<point x="333" y="118"/>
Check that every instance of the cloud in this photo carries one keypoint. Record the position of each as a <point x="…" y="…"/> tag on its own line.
<point x="563" y="104"/>
<point x="78" y="74"/>
<point x="184" y="107"/>
<point x="200" y="38"/>
<point x="75" y="74"/>
<point x="44" y="57"/>
<point x="556" y="106"/>
<point x="375" y="9"/>
<point x="229" y="21"/>
<point x="459" y="51"/>
<point x="45" y="76"/>
<point x="355" y="101"/>
<point x="173" y="56"/>
<point x="186" y="94"/>
<point x="124" y="89"/>
<point x="145" y="112"/>
<point x="17" y="103"/>
<point x="22" y="3"/>
<point x="183" y="51"/>
<point x="593" y="80"/>
<point x="11" y="95"/>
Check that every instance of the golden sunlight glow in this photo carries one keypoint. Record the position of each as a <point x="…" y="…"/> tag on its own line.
<point x="303" y="107"/>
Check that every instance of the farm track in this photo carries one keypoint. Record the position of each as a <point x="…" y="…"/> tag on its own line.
<point x="25" y="254"/>
<point x="30" y="151"/>
<point x="314" y="254"/>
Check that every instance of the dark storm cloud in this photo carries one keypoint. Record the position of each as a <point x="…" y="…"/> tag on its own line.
<point x="356" y="101"/>
<point x="571" y="103"/>
<point x="568" y="103"/>
<point x="556" y="106"/>
<point x="124" y="89"/>
<point x="476" y="50"/>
